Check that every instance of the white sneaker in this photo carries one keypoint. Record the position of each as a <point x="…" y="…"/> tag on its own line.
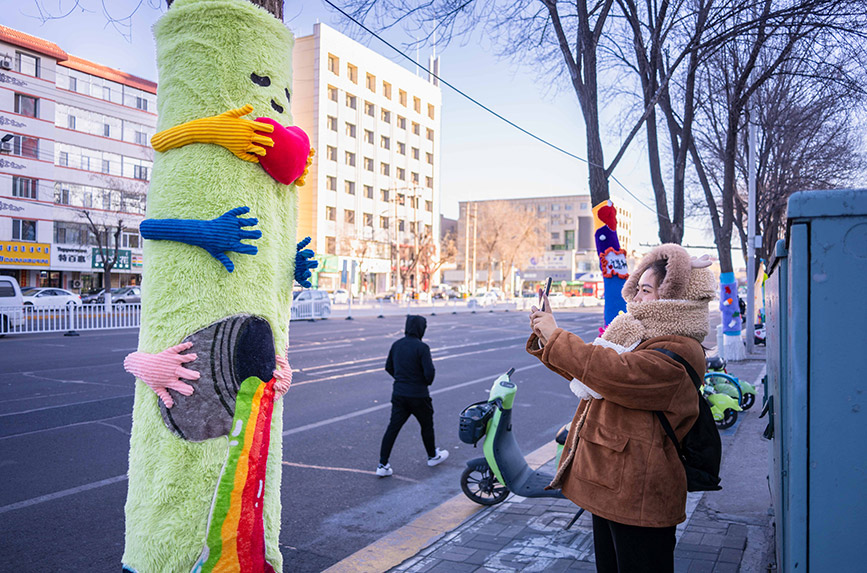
<point x="385" y="470"/>
<point x="439" y="458"/>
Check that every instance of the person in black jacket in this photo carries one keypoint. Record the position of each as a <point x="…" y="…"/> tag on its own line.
<point x="410" y="364"/>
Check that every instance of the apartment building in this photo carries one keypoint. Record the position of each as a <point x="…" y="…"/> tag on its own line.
<point x="372" y="198"/>
<point x="567" y="224"/>
<point x="75" y="149"/>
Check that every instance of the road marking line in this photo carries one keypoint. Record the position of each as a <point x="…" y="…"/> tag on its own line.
<point x="60" y="494"/>
<point x="353" y="470"/>
<point x="329" y="421"/>
<point x="66" y="405"/>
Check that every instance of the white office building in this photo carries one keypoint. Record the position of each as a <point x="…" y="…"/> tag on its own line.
<point x="76" y="145"/>
<point x="372" y="197"/>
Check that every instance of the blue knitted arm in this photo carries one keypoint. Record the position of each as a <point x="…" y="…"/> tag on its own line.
<point x="304" y="262"/>
<point x="217" y="236"/>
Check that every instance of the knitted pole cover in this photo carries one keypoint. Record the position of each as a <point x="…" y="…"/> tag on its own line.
<point x="212" y="56"/>
<point x="612" y="259"/>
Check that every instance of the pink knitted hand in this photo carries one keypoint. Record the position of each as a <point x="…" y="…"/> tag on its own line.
<point x="283" y="376"/>
<point x="163" y="371"/>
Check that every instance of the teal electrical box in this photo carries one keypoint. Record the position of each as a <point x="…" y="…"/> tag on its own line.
<point x="817" y="319"/>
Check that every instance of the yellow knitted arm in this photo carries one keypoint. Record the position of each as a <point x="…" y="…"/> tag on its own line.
<point x="300" y="181"/>
<point x="228" y="129"/>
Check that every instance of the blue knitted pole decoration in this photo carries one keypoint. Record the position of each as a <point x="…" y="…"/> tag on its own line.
<point x="612" y="259"/>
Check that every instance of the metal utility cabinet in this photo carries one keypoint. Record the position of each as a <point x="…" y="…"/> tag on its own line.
<point x="817" y="319"/>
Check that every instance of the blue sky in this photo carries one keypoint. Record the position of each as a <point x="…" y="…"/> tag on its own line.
<point x="482" y="157"/>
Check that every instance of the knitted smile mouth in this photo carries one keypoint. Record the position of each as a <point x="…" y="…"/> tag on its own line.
<point x="227" y="352"/>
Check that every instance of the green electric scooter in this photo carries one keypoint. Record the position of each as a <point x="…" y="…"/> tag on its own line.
<point x="489" y="480"/>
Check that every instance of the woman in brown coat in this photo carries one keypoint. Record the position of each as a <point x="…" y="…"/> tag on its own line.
<point x="619" y="464"/>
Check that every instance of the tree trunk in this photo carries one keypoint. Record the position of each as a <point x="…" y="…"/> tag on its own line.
<point x="273" y="6"/>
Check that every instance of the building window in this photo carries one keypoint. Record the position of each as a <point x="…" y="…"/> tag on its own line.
<point x="332" y="93"/>
<point x="429" y="157"/>
<point x="401" y="148"/>
<point x="385" y="142"/>
<point x="430" y="136"/>
<point x="385" y="169"/>
<point x="555" y="207"/>
<point x="330" y="245"/>
<point x="368" y="219"/>
<point x="368" y="136"/>
<point x="140" y="172"/>
<point x="383" y="222"/>
<point x="350" y="159"/>
<point x="428" y="182"/>
<point x="73" y="84"/>
<point x="141" y="103"/>
<point x="430" y="110"/>
<point x="368" y="191"/>
<point x="568" y="206"/>
<point x="416" y="128"/>
<point x="401" y="225"/>
<point x="583" y="206"/>
<point x="401" y="122"/>
<point x="106" y="166"/>
<point x="352" y="73"/>
<point x="24" y="187"/>
<point x="415" y="153"/>
<point x="70" y="121"/>
<point x="350" y="129"/>
<point x="141" y="138"/>
<point x="23" y="230"/>
<point x="555" y="235"/>
<point x="334" y="64"/>
<point x="402" y="97"/>
<point x="383" y="194"/>
<point x="331" y="121"/>
<point x="349" y="216"/>
<point x="331" y="183"/>
<point x="106" y="93"/>
<point x="401" y="173"/>
<point x="401" y="199"/>
<point x="351" y="101"/>
<point x="349" y="186"/>
<point x="27" y="64"/>
<point x="415" y="178"/>
<point x="416" y="104"/>
<point x="106" y="130"/>
<point x="331" y="213"/>
<point x="371" y="82"/>
<point x="25" y="146"/>
<point x="63" y="159"/>
<point x="428" y="206"/>
<point x="369" y="109"/>
<point x="386" y="89"/>
<point x="368" y="164"/>
<point x="26" y="105"/>
<point x="331" y="153"/>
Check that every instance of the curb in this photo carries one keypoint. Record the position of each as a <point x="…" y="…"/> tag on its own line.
<point x="406" y="542"/>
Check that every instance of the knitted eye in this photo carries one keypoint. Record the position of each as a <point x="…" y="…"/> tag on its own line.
<point x="288" y="95"/>
<point x="263" y="81"/>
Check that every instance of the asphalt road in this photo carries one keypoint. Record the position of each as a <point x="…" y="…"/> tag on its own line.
<point x="65" y="417"/>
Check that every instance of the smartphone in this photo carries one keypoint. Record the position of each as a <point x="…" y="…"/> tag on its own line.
<point x="547" y="292"/>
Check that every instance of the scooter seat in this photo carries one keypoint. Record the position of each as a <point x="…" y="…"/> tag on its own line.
<point x="562" y="434"/>
<point x="715" y="363"/>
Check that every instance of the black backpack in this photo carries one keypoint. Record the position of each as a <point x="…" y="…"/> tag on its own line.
<point x="701" y="450"/>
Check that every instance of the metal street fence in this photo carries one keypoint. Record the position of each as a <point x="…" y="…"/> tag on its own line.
<point x="70" y="318"/>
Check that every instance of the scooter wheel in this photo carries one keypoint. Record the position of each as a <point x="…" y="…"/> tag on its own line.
<point x="749" y="400"/>
<point x="729" y="418"/>
<point x="482" y="486"/>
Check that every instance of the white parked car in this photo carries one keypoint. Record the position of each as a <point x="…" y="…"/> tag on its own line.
<point x="49" y="296"/>
<point x="10" y="305"/>
<point x="483" y="299"/>
<point x="557" y="299"/>
<point x="310" y="304"/>
<point x="340" y="296"/>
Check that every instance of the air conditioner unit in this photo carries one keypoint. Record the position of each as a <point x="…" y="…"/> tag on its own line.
<point x="76" y="284"/>
<point x="6" y="64"/>
<point x="6" y="146"/>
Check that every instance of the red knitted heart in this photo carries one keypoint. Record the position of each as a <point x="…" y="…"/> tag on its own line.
<point x="287" y="160"/>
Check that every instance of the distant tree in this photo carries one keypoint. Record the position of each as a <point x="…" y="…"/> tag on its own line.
<point x="431" y="258"/>
<point x="522" y="239"/>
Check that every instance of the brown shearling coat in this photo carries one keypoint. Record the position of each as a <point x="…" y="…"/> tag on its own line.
<point x="624" y="467"/>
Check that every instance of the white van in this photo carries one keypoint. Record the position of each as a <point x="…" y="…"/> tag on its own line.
<point x="11" y="305"/>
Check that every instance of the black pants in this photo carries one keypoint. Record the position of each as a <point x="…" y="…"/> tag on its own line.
<point x="401" y="409"/>
<point x="628" y="548"/>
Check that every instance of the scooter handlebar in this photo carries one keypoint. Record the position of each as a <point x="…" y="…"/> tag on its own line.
<point x="510" y="372"/>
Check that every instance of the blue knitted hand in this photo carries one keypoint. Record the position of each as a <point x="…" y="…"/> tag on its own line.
<point x="217" y="236"/>
<point x="304" y="262"/>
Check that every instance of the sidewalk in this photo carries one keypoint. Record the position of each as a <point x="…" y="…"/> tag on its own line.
<point x="728" y="530"/>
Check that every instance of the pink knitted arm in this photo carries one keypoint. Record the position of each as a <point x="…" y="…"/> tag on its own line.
<point x="163" y="371"/>
<point x="283" y="375"/>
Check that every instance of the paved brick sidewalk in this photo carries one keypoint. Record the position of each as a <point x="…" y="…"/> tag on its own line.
<point x="725" y="531"/>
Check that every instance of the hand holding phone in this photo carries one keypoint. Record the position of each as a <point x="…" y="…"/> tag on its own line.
<point x="544" y="294"/>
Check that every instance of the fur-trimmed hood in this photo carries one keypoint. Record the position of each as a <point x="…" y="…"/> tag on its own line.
<point x="682" y="281"/>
